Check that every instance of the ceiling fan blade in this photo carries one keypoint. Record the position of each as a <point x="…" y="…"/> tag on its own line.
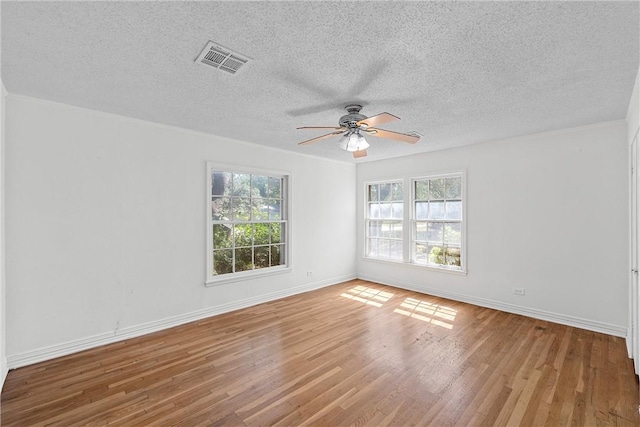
<point x="379" y="119"/>
<point x="368" y="77"/>
<point x="309" y="141"/>
<point x="320" y="127"/>
<point x="358" y="154"/>
<point x="381" y="133"/>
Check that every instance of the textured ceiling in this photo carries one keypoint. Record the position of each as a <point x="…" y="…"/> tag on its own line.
<point x="457" y="72"/>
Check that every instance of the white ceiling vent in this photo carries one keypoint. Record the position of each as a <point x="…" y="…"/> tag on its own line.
<point x="222" y="58"/>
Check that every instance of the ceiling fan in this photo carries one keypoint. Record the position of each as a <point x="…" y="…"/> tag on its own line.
<point x="354" y="124"/>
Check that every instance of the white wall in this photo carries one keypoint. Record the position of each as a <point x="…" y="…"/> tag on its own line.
<point x="105" y="227"/>
<point x="548" y="213"/>
<point x="3" y="353"/>
<point x="633" y="112"/>
<point x="633" y="341"/>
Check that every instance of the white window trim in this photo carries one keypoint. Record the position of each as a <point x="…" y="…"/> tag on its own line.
<point x="463" y="246"/>
<point x="403" y="220"/>
<point x="211" y="280"/>
<point x="407" y="234"/>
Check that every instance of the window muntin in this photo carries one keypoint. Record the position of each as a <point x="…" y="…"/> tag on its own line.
<point x="384" y="222"/>
<point x="438" y="221"/>
<point x="247" y="222"/>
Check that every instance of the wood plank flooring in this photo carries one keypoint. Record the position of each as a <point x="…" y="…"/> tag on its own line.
<point x="356" y="353"/>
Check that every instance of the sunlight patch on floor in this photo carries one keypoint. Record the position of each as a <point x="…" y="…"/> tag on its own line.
<point x="435" y="314"/>
<point x="367" y="295"/>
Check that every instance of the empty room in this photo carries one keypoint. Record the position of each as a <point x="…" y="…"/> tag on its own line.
<point x="319" y="213"/>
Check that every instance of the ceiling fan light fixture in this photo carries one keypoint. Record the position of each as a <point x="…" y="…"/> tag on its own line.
<point x="353" y="141"/>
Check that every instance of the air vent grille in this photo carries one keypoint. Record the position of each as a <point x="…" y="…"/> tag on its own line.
<point x="222" y="58"/>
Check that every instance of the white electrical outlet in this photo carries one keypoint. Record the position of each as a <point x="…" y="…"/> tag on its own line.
<point x="309" y="273"/>
<point x="518" y="291"/>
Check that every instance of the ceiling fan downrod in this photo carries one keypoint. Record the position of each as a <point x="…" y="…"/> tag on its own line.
<point x="351" y="119"/>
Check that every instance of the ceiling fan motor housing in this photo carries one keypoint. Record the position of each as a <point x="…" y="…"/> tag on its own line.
<point x="354" y="116"/>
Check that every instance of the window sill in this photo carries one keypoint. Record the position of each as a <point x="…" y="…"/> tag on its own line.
<point x="246" y="275"/>
<point x="419" y="266"/>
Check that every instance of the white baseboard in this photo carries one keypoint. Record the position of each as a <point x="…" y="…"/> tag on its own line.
<point x="590" y="325"/>
<point x="3" y="373"/>
<point x="63" y="349"/>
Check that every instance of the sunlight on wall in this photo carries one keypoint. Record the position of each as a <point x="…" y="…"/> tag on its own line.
<point x="427" y="312"/>
<point x="369" y="296"/>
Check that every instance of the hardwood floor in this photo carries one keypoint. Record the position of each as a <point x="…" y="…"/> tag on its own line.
<point x="356" y="353"/>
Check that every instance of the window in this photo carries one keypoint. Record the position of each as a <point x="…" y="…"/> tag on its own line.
<point x="429" y="234"/>
<point x="384" y="222"/>
<point x="247" y="223"/>
<point x="437" y="221"/>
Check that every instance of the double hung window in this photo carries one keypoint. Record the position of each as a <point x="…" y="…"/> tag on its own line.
<point x="428" y="232"/>
<point x="437" y="221"/>
<point x="247" y="222"/>
<point x="384" y="222"/>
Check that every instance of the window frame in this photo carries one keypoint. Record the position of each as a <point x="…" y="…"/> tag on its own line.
<point x="285" y="209"/>
<point x="408" y="221"/>
<point x="463" y="222"/>
<point x="402" y="221"/>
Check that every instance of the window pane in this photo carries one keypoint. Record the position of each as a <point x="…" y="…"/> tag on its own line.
<point x="244" y="259"/>
<point x="421" y="231"/>
<point x="241" y="184"/>
<point x="276" y="233"/>
<point x="261" y="257"/>
<point x="372" y="247"/>
<point x="436" y="210"/>
<point x="241" y="208"/>
<point x="396" y="230"/>
<point x="220" y="183"/>
<point x="453" y="210"/>
<point x="277" y="255"/>
<point x="373" y="193"/>
<point x="385" y="210"/>
<point x="436" y="189"/>
<point x="221" y="209"/>
<point x="391" y="230"/>
<point x="222" y="262"/>
<point x="384" y="229"/>
<point x="452" y="232"/>
<point x="422" y="190"/>
<point x="396" y="191"/>
<point x="261" y="233"/>
<point x="259" y="186"/>
<point x="385" y="192"/>
<point x="434" y="232"/>
<point x="374" y="210"/>
<point x="274" y="209"/>
<point x="243" y="235"/>
<point x="436" y="254"/>
<point x="275" y="188"/>
<point x="421" y="254"/>
<point x="452" y="256"/>
<point x="396" y="250"/>
<point x="397" y="210"/>
<point x="453" y="188"/>
<point x="374" y="229"/>
<point x="422" y="209"/>
<point x="222" y="236"/>
<point x="260" y="209"/>
<point x="383" y="248"/>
